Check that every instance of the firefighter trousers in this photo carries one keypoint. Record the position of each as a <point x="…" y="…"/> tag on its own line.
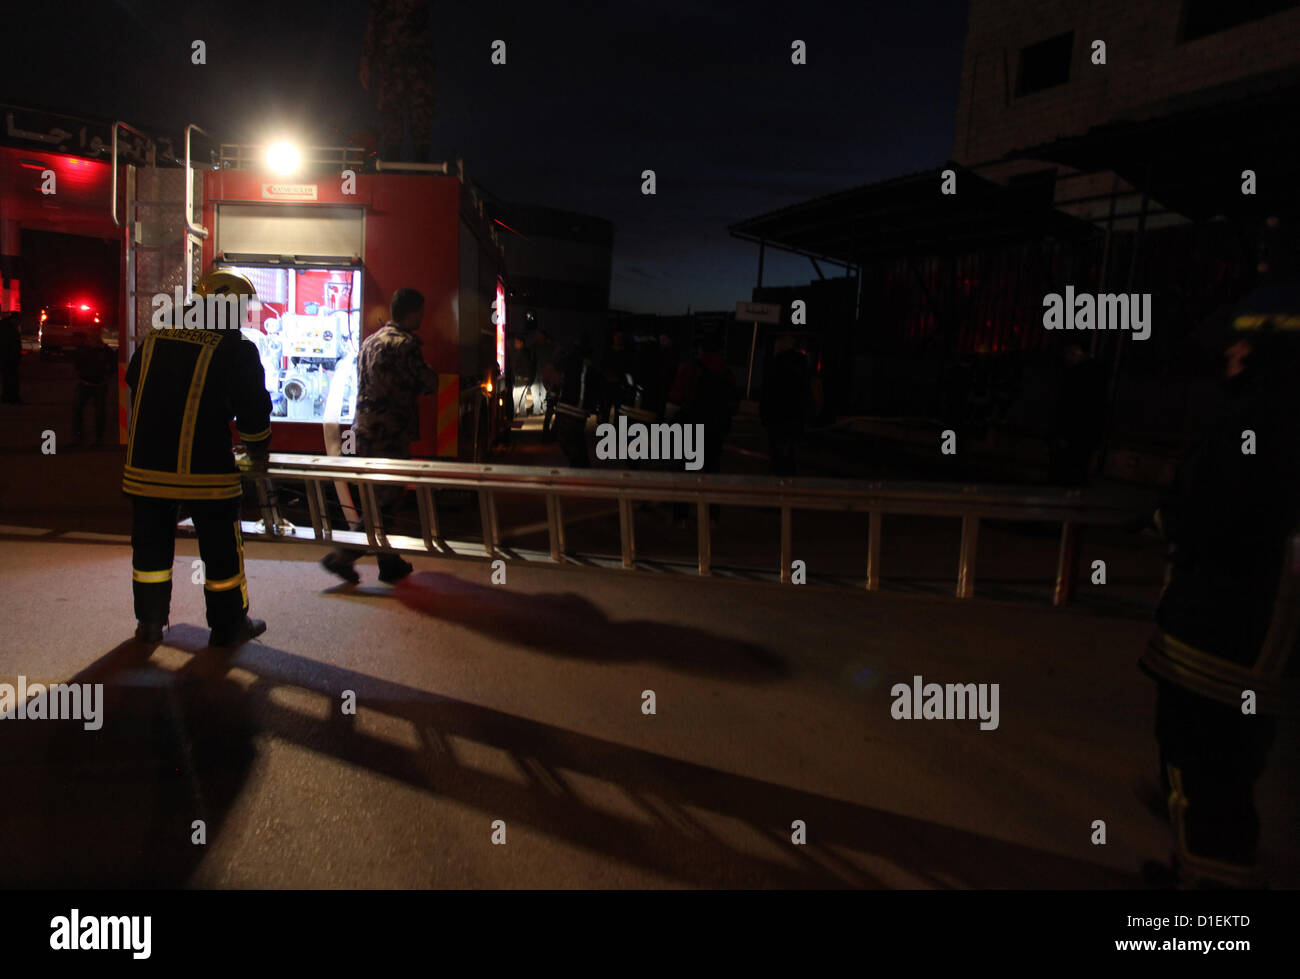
<point x="1211" y="756"/>
<point x="221" y="548"/>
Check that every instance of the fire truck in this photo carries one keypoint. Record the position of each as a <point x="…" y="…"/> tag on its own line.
<point x="326" y="234"/>
<point x="326" y="247"/>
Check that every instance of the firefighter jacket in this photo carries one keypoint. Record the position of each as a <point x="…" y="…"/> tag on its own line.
<point x="1229" y="617"/>
<point x="391" y="376"/>
<point x="186" y="385"/>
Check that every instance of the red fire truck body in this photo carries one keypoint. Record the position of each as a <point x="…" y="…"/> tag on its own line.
<point x="384" y="231"/>
<point x="326" y="247"/>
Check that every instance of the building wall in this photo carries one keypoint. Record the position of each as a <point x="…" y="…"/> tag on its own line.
<point x="1147" y="63"/>
<point x="559" y="264"/>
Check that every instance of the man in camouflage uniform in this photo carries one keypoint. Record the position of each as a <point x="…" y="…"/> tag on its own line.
<point x="391" y="375"/>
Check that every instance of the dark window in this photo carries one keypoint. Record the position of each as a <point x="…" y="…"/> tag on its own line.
<point x="1201" y="18"/>
<point x="1045" y="64"/>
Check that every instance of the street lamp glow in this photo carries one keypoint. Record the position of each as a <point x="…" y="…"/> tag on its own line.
<point x="282" y="158"/>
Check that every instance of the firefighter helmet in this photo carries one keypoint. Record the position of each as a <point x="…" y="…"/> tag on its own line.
<point x="223" y="282"/>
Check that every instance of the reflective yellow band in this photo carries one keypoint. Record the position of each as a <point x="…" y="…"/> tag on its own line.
<point x="225" y="584"/>
<point x="1213" y="667"/>
<point x="1255" y="320"/>
<point x="165" y="492"/>
<point x="1214" y="677"/>
<point x="185" y="448"/>
<point x="257" y="437"/>
<point x="151" y="577"/>
<point x="187" y="479"/>
<point x="145" y="357"/>
<point x="230" y="482"/>
<point x="243" y="583"/>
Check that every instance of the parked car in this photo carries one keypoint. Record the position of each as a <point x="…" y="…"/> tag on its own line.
<point x="67" y="326"/>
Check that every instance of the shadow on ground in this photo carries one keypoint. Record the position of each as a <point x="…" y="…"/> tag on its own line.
<point x="114" y="807"/>
<point x="566" y="624"/>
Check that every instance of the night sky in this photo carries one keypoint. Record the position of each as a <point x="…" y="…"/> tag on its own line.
<point x="591" y="95"/>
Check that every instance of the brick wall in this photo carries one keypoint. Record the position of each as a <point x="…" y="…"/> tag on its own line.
<point x="1145" y="63"/>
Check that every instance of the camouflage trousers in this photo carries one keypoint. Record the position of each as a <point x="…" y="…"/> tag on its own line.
<point x="389" y="499"/>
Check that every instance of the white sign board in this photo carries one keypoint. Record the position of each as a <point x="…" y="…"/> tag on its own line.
<point x="758" y="313"/>
<point x="288" y="192"/>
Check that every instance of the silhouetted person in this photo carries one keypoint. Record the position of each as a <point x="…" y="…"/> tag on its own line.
<point x="648" y="372"/>
<point x="783" y="404"/>
<point x="523" y="366"/>
<point x="670" y="360"/>
<point x="704" y="393"/>
<point x="1080" y="417"/>
<point x="95" y="363"/>
<point x="11" y="354"/>
<point x="615" y="366"/>
<point x="543" y="354"/>
<point x="576" y="386"/>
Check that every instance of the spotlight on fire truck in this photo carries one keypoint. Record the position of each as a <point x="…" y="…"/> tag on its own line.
<point x="283" y="158"/>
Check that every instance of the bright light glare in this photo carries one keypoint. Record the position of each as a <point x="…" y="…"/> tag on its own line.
<point x="282" y="158"/>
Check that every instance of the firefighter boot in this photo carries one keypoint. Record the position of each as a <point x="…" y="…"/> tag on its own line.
<point x="240" y="632"/>
<point x="148" y="631"/>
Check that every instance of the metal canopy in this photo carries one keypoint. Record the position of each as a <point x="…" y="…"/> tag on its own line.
<point x="1190" y="153"/>
<point x="909" y="216"/>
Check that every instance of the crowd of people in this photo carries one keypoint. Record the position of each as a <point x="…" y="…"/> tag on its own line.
<point x="647" y="379"/>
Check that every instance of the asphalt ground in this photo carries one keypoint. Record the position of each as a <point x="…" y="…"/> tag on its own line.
<point x="517" y="707"/>
<point x="522" y="702"/>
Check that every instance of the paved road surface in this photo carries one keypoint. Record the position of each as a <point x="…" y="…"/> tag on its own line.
<point x="522" y="703"/>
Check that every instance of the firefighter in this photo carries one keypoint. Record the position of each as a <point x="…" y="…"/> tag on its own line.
<point x="1228" y="617"/>
<point x="391" y="375"/>
<point x="185" y="385"/>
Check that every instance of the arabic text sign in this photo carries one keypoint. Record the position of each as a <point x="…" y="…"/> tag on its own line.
<point x="758" y="312"/>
